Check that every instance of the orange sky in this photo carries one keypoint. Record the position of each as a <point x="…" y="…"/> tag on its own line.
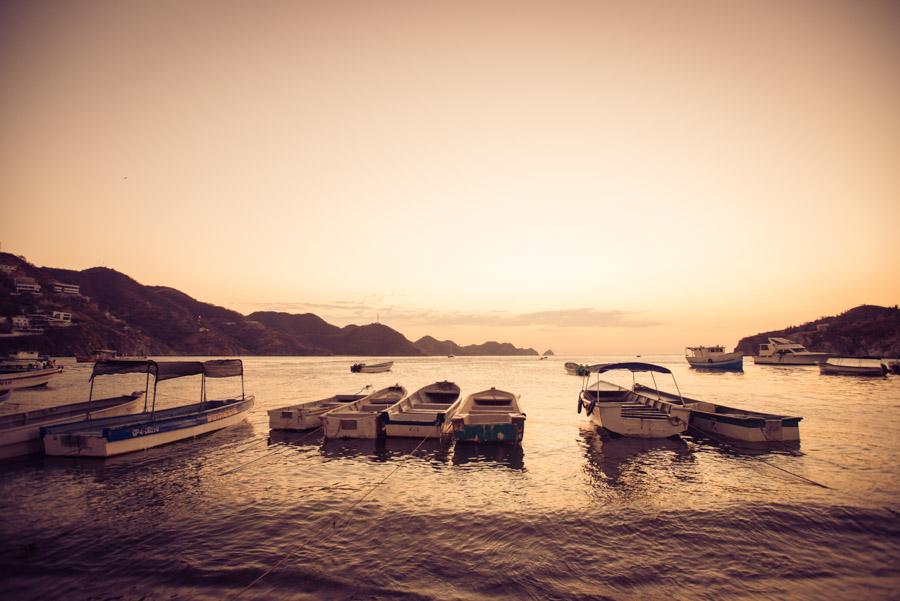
<point x="583" y="176"/>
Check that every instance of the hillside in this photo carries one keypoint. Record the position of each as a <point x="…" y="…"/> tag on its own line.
<point x="112" y="310"/>
<point x="867" y="330"/>
<point x="429" y="345"/>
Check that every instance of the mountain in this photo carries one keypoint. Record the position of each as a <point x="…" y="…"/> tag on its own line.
<point x="867" y="330"/>
<point x="112" y="310"/>
<point x="431" y="346"/>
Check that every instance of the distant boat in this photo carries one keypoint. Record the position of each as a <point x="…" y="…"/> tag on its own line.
<point x="363" y="418"/>
<point x="851" y="366"/>
<point x="713" y="357"/>
<point x="371" y="368"/>
<point x="424" y="414"/>
<point x="781" y="351"/>
<point x="740" y="425"/>
<point x="118" y="435"/>
<point x="489" y="416"/>
<point x="103" y="354"/>
<point x="26" y="369"/>
<point x="576" y="369"/>
<point x="543" y="357"/>
<point x="20" y="433"/>
<point x="308" y="415"/>
<point x="631" y="413"/>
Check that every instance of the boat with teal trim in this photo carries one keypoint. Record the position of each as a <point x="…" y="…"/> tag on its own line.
<point x="424" y="414"/>
<point x="489" y="416"/>
<point x="152" y="428"/>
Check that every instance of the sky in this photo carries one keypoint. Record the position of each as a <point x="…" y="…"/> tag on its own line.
<point x="587" y="177"/>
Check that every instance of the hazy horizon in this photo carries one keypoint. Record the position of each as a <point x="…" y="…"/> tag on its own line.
<point x="586" y="177"/>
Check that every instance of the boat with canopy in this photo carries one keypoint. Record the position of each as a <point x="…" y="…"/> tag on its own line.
<point x="631" y="413"/>
<point x="151" y="428"/>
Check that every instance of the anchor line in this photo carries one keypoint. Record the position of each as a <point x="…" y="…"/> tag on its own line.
<point x="277" y="450"/>
<point x="335" y="527"/>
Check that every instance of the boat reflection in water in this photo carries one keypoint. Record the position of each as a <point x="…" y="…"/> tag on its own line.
<point x="489" y="455"/>
<point x="615" y="461"/>
<point x="383" y="449"/>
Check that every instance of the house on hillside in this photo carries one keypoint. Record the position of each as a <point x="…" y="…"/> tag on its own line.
<point x="60" y="288"/>
<point x="8" y="269"/>
<point x="27" y="285"/>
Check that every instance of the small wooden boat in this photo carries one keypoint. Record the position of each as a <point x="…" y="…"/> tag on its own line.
<point x="20" y="433"/>
<point x="489" y="416"/>
<point x="363" y="418"/>
<point x="308" y="415"/>
<point x="576" y="369"/>
<point x="424" y="414"/>
<point x="713" y="357"/>
<point x="853" y="366"/>
<point x="118" y="435"/>
<point x="371" y="368"/>
<point x="631" y="413"/>
<point x="719" y="421"/>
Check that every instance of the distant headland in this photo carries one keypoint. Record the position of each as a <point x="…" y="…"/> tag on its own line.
<point x="66" y="312"/>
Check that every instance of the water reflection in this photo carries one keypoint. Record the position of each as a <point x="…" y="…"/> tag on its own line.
<point x="626" y="462"/>
<point x="488" y="454"/>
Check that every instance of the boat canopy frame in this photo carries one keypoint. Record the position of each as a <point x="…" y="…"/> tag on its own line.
<point x="168" y="370"/>
<point x="634" y="367"/>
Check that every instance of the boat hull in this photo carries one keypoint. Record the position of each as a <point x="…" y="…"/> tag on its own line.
<point x="791" y="359"/>
<point x="338" y="425"/>
<point x="847" y="370"/>
<point x="144" y="434"/>
<point x="619" y="420"/>
<point x="735" y="363"/>
<point x="307" y="416"/>
<point x="27" y="379"/>
<point x="408" y="429"/>
<point x="16" y="441"/>
<point x="509" y="433"/>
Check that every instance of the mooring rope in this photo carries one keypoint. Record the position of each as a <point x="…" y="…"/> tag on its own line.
<point x="275" y="450"/>
<point x="335" y="527"/>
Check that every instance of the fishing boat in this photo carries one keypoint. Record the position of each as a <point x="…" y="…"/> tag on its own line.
<point x="576" y="369"/>
<point x="371" y="368"/>
<point x="713" y="357"/>
<point x="853" y="366"/>
<point x="152" y="428"/>
<point x="740" y="425"/>
<point x="424" y="414"/>
<point x="489" y="416"/>
<point x="103" y="354"/>
<point x="631" y="413"/>
<point x="308" y="415"/>
<point x="20" y="433"/>
<point x="26" y="369"/>
<point x="363" y="418"/>
<point x="781" y="351"/>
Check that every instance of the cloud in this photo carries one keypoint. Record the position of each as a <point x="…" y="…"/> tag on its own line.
<point x="343" y="312"/>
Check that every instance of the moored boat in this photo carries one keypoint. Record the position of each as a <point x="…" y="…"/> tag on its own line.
<point x="103" y="354"/>
<point x="20" y="433"/>
<point x="713" y="357"/>
<point x="363" y="418"/>
<point x="118" y="435"/>
<point x="781" y="351"/>
<point x="489" y="416"/>
<point x="720" y="421"/>
<point x="576" y="369"/>
<point x="424" y="414"/>
<point x="26" y="369"/>
<point x="308" y="415"/>
<point x="371" y="368"/>
<point x="853" y="366"/>
<point x="631" y="413"/>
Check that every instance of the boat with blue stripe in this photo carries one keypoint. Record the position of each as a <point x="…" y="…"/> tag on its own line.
<point x="152" y="428"/>
<point x="490" y="416"/>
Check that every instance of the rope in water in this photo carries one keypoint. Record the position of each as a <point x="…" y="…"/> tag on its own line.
<point x="334" y="526"/>
<point x="275" y="450"/>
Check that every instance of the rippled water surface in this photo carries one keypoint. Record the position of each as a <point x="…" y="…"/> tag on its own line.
<point x="571" y="514"/>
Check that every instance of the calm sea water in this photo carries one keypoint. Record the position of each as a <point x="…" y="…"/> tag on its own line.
<point x="571" y="514"/>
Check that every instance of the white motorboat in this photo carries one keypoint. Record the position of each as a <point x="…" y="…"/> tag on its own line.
<point x="781" y="351"/>
<point x="371" y="368"/>
<point x="853" y="366"/>
<point x="363" y="418"/>
<point x="424" y="414"/>
<point x="713" y="357"/>
<point x="20" y="433"/>
<point x="489" y="416"/>
<point x="118" y="435"/>
<point x="740" y="425"/>
<point x="631" y="413"/>
<point x="308" y="415"/>
<point x="576" y="369"/>
<point x="26" y="369"/>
